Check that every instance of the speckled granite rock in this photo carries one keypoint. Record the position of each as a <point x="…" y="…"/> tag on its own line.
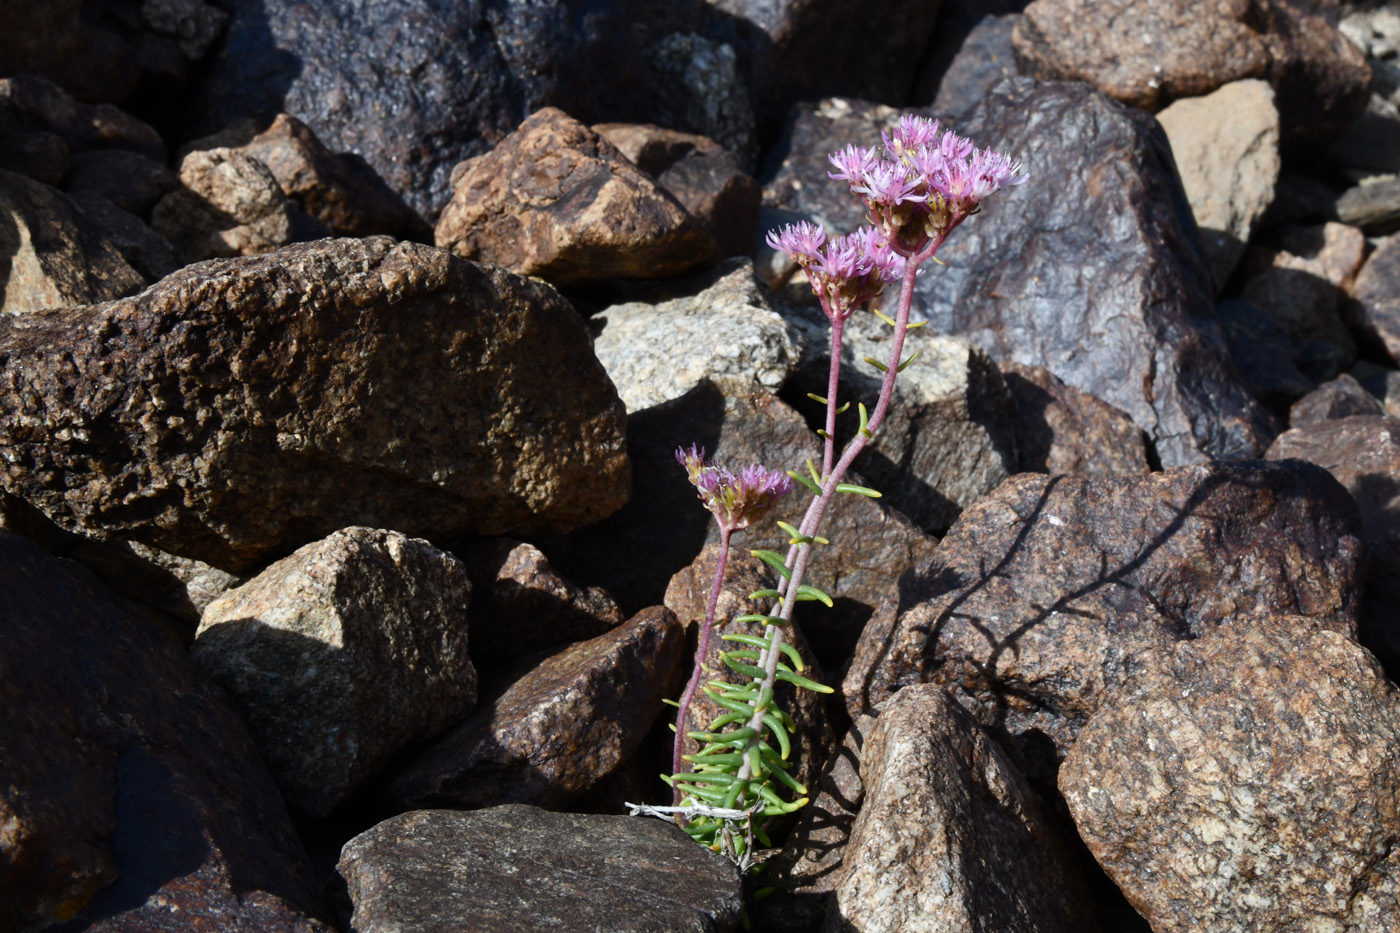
<point x="1060" y="429"/>
<point x="1248" y="780"/>
<point x="342" y="655"/>
<point x="525" y="870"/>
<point x="324" y="385"/>
<point x="228" y="204"/>
<point x="1039" y="602"/>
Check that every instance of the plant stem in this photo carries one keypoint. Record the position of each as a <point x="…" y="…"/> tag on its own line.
<point x="702" y="648"/>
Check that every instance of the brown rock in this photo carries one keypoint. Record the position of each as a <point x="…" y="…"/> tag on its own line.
<point x="1299" y="294"/>
<point x="237" y="410"/>
<point x="1149" y="54"/>
<point x="526" y="870"/>
<point x="340" y="656"/>
<point x="556" y="200"/>
<point x="950" y="837"/>
<point x="128" y="179"/>
<point x="43" y="156"/>
<point x="522" y="605"/>
<point x="556" y="731"/>
<point x="229" y="205"/>
<point x="54" y="256"/>
<point x="28" y="102"/>
<point x="131" y="795"/>
<point x="1060" y="429"/>
<point x="1375" y="312"/>
<point x="1248" y="780"/>
<point x="1340" y="398"/>
<point x="146" y="251"/>
<point x="1037" y="604"/>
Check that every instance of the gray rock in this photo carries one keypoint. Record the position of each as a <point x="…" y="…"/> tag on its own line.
<point x="1342" y="397"/>
<point x="56" y="258"/>
<point x="701" y="89"/>
<point x="1262" y="353"/>
<point x="229" y="205"/>
<point x="249" y="406"/>
<point x="1382" y="382"/>
<point x="950" y="837"/>
<point x="132" y="796"/>
<point x="1060" y="429"/>
<point x="983" y="60"/>
<point x="1225" y="145"/>
<point x="521" y="869"/>
<point x="561" y="727"/>
<point x="1248" y="780"/>
<point x="340" y="656"/>
<point x="720" y="327"/>
<point x="193" y="24"/>
<point x="1040" y="600"/>
<point x="1373" y="205"/>
<point x="1375" y="311"/>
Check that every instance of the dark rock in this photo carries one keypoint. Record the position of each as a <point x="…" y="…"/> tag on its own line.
<point x="1148" y="55"/>
<point x="521" y="605"/>
<point x="1037" y="604"/>
<point x="146" y="251"/>
<point x="984" y="59"/>
<point x="1036" y="279"/>
<point x="30" y="103"/>
<point x="1248" y="780"/>
<point x="1375" y="311"/>
<point x="556" y="200"/>
<point x="1373" y="205"/>
<point x="700" y="88"/>
<point x="59" y="41"/>
<point x="463" y="76"/>
<point x="321" y="386"/>
<point x="342" y="655"/>
<point x="193" y="25"/>
<point x="950" y="837"/>
<point x="1297" y="292"/>
<point x="1060" y="429"/>
<point x="521" y="869"/>
<point x="1262" y="353"/>
<point x="132" y="797"/>
<point x="55" y="257"/>
<point x="128" y="179"/>
<point x="556" y="731"/>
<point x="956" y="21"/>
<point x="1363" y="453"/>
<point x="1340" y="398"/>
<point x="43" y="156"/>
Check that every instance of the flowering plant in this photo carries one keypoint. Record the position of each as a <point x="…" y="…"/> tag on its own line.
<point x="923" y="185"/>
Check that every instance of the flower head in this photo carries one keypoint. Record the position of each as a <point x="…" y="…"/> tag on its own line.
<point x="845" y="271"/>
<point x="736" y="501"/>
<point x="800" y="241"/>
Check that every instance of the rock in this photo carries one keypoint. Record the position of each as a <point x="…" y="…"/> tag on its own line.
<point x="1126" y="317"/>
<point x="1148" y="55"/>
<point x="521" y="605"/>
<point x="250" y="406"/>
<point x="664" y="527"/>
<point x="950" y="435"/>
<point x="146" y="251"/>
<point x="700" y="88"/>
<point x="1039" y="602"/>
<point x="706" y="180"/>
<point x="1375" y="311"/>
<point x="1337" y="250"/>
<point x="1060" y="429"/>
<point x="128" y="179"/>
<point x="420" y="871"/>
<point x="1340" y="398"/>
<point x="1382" y="382"/>
<point x="341" y="191"/>
<point x="720" y="326"/>
<point x="1373" y="205"/>
<point x="43" y="156"/>
<point x="950" y="836"/>
<point x="193" y="24"/>
<point x="132" y="797"/>
<point x="1226" y="147"/>
<point x="984" y="58"/>
<point x="229" y="205"/>
<point x="1262" y="353"/>
<point x="61" y="41"/>
<point x="1248" y="780"/>
<point x="1298" y="294"/>
<point x="1372" y="143"/>
<point x="463" y="76"/>
<point x="54" y="256"/>
<point x="562" y="726"/>
<point x="556" y="200"/>
<point x="1363" y="453"/>
<point x="30" y="103"/>
<point x="342" y="655"/>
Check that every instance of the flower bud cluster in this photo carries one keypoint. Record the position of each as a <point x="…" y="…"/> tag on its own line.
<point x="844" y="271"/>
<point x="736" y="501"/>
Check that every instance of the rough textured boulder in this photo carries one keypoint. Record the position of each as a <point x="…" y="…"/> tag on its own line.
<point x="1340" y="398"/>
<point x="340" y="656"/>
<point x="131" y="795"/>
<point x="1100" y="281"/>
<point x="1149" y="54"/>
<point x="1248" y="780"/>
<point x="243" y="408"/>
<point x="436" y="869"/>
<point x="228" y="204"/>
<point x="1376" y="310"/>
<point x="950" y="837"/>
<point x="1037" y="604"/>
<point x="983" y="59"/>
<point x="54" y="258"/>
<point x="562" y="726"/>
<point x="1060" y="429"/>
<point x="719" y="326"/>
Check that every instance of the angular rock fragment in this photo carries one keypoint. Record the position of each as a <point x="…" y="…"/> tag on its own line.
<point x="983" y="59"/>
<point x="146" y="251"/>
<point x="1340" y="398"/>
<point x="1247" y="780"/>
<point x="522" y="869"/>
<point x="700" y="88"/>
<point x="1375" y="311"/>
<point x="950" y="837"/>
<point x="132" y="796"/>
<point x="1040" y="600"/>
<point x="1298" y="292"/>
<point x="1373" y="205"/>
<point x="129" y="180"/>
<point x="557" y="730"/>
<point x="229" y="205"/>
<point x="556" y="200"/>
<point x="340" y="656"/>
<point x="29" y="103"/>
<point x="246" y="407"/>
<point x="1262" y="353"/>
<point x="1060" y="429"/>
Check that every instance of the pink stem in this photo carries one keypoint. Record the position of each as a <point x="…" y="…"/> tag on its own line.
<point x="701" y="650"/>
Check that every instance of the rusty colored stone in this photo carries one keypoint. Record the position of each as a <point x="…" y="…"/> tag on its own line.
<point x="1060" y="429"/>
<point x="240" y="409"/>
<point x="228" y="204"/>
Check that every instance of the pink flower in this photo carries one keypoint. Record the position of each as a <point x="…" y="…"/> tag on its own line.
<point x="736" y="501"/>
<point x="801" y="242"/>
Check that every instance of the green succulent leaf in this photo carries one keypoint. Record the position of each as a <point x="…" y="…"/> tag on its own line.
<point x="877" y="364"/>
<point x="798" y="680"/>
<point x="882" y="316"/>
<point x="858" y="490"/>
<point x="815" y="489"/>
<point x="760" y="617"/>
<point x="765" y="594"/>
<point x="907" y="363"/>
<point x="807" y="593"/>
<point x="774" y="560"/>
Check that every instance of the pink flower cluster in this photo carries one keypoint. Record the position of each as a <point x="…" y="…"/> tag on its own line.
<point x="736" y="501"/>
<point x="844" y="271"/>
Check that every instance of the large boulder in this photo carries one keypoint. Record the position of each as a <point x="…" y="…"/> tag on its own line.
<point x="242" y="408"/>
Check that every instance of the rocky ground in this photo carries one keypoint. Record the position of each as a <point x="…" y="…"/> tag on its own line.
<point x="346" y="564"/>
